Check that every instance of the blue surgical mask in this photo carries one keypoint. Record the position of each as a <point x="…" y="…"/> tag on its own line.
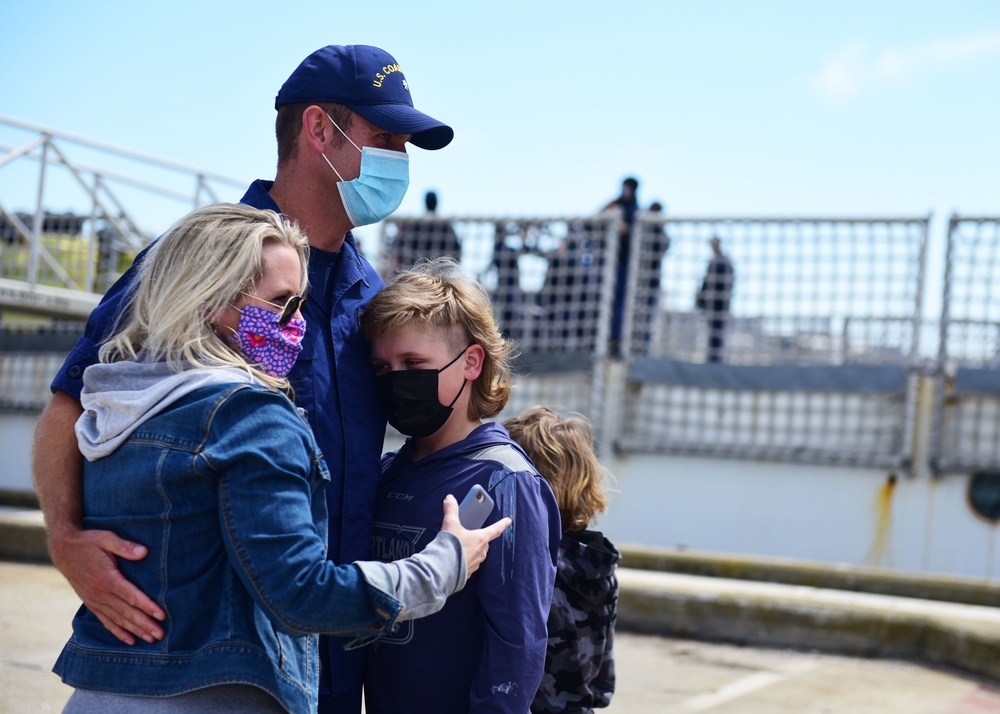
<point x="378" y="191"/>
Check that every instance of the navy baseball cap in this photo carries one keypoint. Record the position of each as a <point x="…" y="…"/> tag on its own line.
<point x="371" y="83"/>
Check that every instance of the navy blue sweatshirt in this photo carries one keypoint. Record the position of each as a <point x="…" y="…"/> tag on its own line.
<point x="485" y="650"/>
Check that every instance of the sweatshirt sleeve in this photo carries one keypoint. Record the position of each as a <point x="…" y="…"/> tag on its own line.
<point x="422" y="582"/>
<point x="515" y="589"/>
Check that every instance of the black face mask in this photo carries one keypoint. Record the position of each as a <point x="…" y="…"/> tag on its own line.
<point x="410" y="399"/>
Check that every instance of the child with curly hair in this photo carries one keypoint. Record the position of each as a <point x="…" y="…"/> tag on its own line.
<point x="579" y="661"/>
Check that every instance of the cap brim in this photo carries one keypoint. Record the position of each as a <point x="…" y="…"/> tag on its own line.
<point x="428" y="133"/>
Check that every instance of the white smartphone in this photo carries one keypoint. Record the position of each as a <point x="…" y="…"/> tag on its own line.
<point x="475" y="508"/>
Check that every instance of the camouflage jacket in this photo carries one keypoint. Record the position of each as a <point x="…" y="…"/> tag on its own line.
<point x="579" y="661"/>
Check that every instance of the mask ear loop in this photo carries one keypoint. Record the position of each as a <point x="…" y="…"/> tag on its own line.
<point x="461" y="389"/>
<point x="346" y="137"/>
<point x="460" y="355"/>
<point x="331" y="166"/>
<point x="464" y="381"/>
<point x="234" y="338"/>
<point x="342" y="132"/>
<point x="216" y="327"/>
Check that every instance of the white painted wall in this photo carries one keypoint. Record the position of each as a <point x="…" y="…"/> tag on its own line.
<point x="823" y="513"/>
<point x="16" y="431"/>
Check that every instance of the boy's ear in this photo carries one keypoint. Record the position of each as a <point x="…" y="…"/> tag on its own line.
<point x="474" y="359"/>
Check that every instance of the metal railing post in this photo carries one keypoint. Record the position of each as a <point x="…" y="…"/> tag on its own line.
<point x="90" y="273"/>
<point x="937" y="421"/>
<point x="36" y="239"/>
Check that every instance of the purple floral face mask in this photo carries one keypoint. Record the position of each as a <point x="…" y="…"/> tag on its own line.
<point x="266" y="343"/>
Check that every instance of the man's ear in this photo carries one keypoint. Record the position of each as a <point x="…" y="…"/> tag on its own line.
<point x="474" y="359"/>
<point x="316" y="129"/>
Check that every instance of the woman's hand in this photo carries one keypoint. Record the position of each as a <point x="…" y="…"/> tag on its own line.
<point x="475" y="544"/>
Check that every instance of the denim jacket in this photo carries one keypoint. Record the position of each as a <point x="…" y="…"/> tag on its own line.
<point x="225" y="486"/>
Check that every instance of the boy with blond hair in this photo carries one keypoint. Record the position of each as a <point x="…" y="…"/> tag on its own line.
<point x="579" y="664"/>
<point x="441" y="367"/>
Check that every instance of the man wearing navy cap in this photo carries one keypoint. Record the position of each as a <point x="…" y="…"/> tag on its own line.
<point x="344" y="118"/>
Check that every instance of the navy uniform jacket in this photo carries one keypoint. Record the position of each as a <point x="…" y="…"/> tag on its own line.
<point x="333" y="382"/>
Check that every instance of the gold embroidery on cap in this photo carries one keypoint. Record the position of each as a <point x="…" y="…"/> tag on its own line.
<point x="386" y="71"/>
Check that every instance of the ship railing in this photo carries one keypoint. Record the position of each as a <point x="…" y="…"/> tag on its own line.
<point x="80" y="253"/>
<point x="966" y="433"/>
<point x="825" y="355"/>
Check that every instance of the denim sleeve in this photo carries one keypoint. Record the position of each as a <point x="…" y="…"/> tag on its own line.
<point x="515" y="589"/>
<point x="102" y="318"/>
<point x="272" y="511"/>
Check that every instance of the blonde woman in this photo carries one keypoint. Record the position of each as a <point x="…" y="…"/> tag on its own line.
<point x="194" y="450"/>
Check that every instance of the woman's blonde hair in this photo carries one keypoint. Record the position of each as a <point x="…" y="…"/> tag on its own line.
<point x="562" y="449"/>
<point x="196" y="270"/>
<point x="436" y="293"/>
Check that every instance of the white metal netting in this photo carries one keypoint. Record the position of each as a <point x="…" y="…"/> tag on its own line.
<point x="970" y="425"/>
<point x="547" y="277"/>
<point x="970" y="320"/>
<point x="31" y="351"/>
<point x="25" y="379"/>
<point x="802" y="291"/>
<point x="815" y="323"/>
<point x="862" y="429"/>
<point x="967" y="405"/>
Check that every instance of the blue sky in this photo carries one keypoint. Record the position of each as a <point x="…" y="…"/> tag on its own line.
<point x="718" y="107"/>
